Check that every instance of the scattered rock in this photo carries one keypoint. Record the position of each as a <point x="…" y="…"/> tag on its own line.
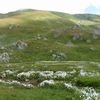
<point x="60" y="74"/>
<point x="47" y="83"/>
<point x="70" y="44"/>
<point x="59" y="56"/>
<point x="21" y="45"/>
<point x="4" y="57"/>
<point x="25" y="74"/>
<point x="46" y="74"/>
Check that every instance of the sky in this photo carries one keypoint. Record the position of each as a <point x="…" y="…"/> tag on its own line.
<point x="67" y="6"/>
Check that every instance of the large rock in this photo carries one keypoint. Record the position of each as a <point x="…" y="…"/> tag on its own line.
<point x="4" y="57"/>
<point x="21" y="45"/>
<point x="59" y="56"/>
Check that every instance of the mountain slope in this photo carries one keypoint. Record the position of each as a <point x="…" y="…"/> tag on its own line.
<point x="44" y="31"/>
<point x="60" y="49"/>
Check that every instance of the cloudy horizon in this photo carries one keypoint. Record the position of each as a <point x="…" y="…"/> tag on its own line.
<point x="72" y="6"/>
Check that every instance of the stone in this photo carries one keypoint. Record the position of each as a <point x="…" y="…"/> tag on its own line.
<point x="21" y="45"/>
<point x="47" y="82"/>
<point x="58" y="56"/>
<point x="46" y="74"/>
<point x="26" y="74"/>
<point x="4" y="57"/>
<point x="60" y="74"/>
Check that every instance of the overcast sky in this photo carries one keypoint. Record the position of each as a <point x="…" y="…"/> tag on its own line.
<point x="68" y="6"/>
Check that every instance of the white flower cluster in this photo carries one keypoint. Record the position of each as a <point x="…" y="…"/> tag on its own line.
<point x="47" y="82"/>
<point x="17" y="83"/>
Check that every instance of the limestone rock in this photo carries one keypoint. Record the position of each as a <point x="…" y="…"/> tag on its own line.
<point x="21" y="45"/>
<point x="4" y="57"/>
<point x="47" y="82"/>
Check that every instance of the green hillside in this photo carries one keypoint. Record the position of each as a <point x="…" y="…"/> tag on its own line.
<point x="54" y="30"/>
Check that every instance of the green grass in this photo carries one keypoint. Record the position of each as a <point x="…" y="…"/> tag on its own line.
<point x="88" y="81"/>
<point x="18" y="93"/>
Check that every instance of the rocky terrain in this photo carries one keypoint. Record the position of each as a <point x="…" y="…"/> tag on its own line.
<point x="49" y="56"/>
